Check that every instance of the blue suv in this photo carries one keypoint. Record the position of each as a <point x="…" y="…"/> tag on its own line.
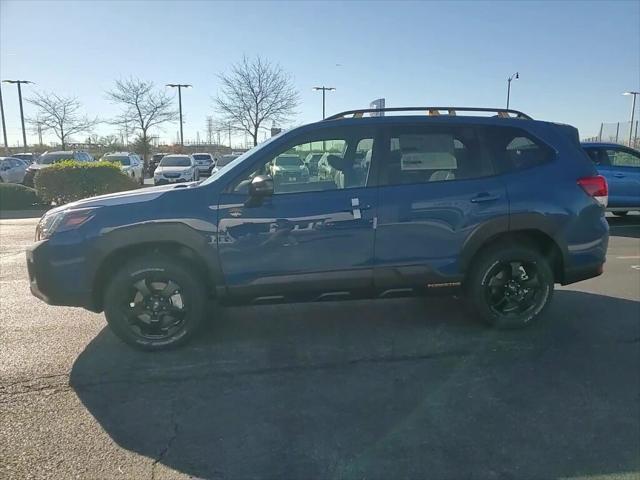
<point x="620" y="166"/>
<point x="501" y="207"/>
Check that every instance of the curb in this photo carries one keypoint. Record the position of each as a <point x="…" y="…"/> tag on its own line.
<point x="16" y="214"/>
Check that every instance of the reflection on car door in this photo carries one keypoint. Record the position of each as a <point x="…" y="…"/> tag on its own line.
<point x="435" y="189"/>
<point x="313" y="243"/>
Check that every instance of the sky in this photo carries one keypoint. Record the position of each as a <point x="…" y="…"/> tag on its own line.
<point x="575" y="59"/>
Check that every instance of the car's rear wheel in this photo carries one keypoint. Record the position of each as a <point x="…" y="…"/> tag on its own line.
<point x="510" y="286"/>
<point x="620" y="214"/>
<point x="154" y="303"/>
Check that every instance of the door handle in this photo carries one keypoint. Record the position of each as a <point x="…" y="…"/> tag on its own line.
<point x="619" y="175"/>
<point x="484" y="197"/>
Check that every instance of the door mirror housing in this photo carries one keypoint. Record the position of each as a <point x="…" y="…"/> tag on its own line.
<point x="261" y="186"/>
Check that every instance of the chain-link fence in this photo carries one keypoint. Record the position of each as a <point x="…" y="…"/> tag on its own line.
<point x="623" y="133"/>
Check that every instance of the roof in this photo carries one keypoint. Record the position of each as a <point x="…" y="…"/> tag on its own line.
<point x="601" y="144"/>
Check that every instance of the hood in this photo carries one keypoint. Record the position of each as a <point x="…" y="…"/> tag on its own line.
<point x="120" y="198"/>
<point x="162" y="169"/>
<point x="38" y="166"/>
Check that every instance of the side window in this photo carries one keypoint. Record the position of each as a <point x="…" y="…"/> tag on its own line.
<point x="434" y="154"/>
<point x="328" y="164"/>
<point x="522" y="152"/>
<point x="623" y="158"/>
<point x="598" y="156"/>
<point x="513" y="149"/>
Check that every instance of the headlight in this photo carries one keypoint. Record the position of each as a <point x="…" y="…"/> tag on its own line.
<point x="62" y="221"/>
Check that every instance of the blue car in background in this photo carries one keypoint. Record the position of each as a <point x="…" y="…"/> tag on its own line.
<point x="620" y="165"/>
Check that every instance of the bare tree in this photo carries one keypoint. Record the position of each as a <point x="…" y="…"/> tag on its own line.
<point x="256" y="91"/>
<point x="145" y="107"/>
<point x="60" y="115"/>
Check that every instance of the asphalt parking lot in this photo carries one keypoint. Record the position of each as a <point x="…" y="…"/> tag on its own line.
<point x="364" y="390"/>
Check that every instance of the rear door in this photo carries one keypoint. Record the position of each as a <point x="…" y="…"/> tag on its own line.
<point x="314" y="236"/>
<point x="437" y="186"/>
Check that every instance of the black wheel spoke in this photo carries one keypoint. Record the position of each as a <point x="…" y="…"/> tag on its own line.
<point x="142" y="287"/>
<point x="169" y="289"/>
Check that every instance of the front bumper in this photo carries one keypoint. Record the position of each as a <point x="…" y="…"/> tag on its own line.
<point x="58" y="281"/>
<point x="165" y="181"/>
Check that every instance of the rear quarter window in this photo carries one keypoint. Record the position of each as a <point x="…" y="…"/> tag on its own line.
<point x="514" y="149"/>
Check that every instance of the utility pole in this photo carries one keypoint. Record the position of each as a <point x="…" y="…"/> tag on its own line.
<point x="180" y="86"/>
<point x="39" y="126"/>
<point x="229" y="125"/>
<point x="324" y="90"/>
<point x="4" y="124"/>
<point x="512" y="77"/>
<point x="210" y="130"/>
<point x="633" y="111"/>
<point x="19" y="83"/>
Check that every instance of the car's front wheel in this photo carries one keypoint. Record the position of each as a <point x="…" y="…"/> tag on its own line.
<point x="153" y="303"/>
<point x="510" y="285"/>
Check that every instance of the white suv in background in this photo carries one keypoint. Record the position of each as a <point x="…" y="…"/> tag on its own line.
<point x="130" y="164"/>
<point x="204" y="162"/>
<point x="176" y="168"/>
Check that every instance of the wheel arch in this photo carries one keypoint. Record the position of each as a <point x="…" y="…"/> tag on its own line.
<point x="535" y="238"/>
<point x="173" y="240"/>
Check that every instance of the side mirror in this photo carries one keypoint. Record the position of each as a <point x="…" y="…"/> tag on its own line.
<point x="261" y="186"/>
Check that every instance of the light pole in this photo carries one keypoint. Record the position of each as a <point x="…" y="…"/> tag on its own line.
<point x="4" y="124"/>
<point x="19" y="83"/>
<point x="324" y="90"/>
<point x="180" y="86"/>
<point x="633" y="111"/>
<point x="512" y="77"/>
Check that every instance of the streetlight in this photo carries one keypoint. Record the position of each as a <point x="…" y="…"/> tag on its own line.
<point x="633" y="111"/>
<point x="180" y="86"/>
<point x="19" y="83"/>
<point x="4" y="124"/>
<point x="512" y="77"/>
<point x="324" y="90"/>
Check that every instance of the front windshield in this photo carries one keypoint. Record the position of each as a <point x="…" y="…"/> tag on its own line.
<point x="49" y="158"/>
<point x="239" y="160"/>
<point x="122" y="159"/>
<point x="171" y="161"/>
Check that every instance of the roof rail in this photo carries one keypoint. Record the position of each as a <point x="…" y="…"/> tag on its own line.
<point x="502" y="112"/>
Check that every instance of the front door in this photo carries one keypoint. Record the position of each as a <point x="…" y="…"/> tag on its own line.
<point x="314" y="236"/>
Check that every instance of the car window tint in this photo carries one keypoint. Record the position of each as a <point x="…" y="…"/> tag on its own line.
<point x="598" y="156"/>
<point x="513" y="149"/>
<point x="329" y="164"/>
<point x="434" y="154"/>
<point x="623" y="158"/>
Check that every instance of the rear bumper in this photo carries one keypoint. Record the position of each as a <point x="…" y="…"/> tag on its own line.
<point x="57" y="282"/>
<point x="205" y="169"/>
<point x="579" y="274"/>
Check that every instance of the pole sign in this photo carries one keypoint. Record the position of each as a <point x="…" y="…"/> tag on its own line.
<point x="377" y="103"/>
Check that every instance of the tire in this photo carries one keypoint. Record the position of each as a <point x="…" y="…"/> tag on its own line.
<point x="620" y="214"/>
<point x="168" y="316"/>
<point x="510" y="286"/>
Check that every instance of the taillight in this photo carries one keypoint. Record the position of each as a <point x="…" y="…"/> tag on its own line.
<point x="596" y="187"/>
